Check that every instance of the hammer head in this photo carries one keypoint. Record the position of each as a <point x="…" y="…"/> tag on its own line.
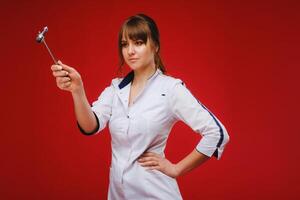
<point x="41" y="35"/>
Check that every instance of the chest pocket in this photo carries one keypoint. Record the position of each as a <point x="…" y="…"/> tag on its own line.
<point x="118" y="120"/>
<point x="117" y="108"/>
<point x="155" y="107"/>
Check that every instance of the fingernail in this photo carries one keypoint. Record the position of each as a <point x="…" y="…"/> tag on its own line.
<point x="67" y="73"/>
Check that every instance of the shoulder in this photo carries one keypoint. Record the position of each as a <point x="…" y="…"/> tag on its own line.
<point x="111" y="88"/>
<point x="169" y="81"/>
<point x="175" y="87"/>
<point x="116" y="81"/>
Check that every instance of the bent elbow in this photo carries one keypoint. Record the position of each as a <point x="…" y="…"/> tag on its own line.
<point x="226" y="137"/>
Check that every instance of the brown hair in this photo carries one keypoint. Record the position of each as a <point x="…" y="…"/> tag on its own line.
<point x="141" y="27"/>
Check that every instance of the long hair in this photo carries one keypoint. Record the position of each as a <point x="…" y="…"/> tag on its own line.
<point x="141" y="27"/>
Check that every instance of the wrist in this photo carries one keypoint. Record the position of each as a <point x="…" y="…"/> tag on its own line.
<point x="78" y="92"/>
<point x="177" y="170"/>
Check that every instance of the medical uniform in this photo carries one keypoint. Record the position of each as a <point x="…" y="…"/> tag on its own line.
<point x="144" y="127"/>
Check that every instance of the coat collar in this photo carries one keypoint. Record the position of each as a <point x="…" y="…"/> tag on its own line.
<point x="126" y="80"/>
<point x="129" y="77"/>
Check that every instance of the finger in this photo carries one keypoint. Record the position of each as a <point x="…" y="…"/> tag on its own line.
<point x="56" y="67"/>
<point x="153" y="168"/>
<point x="150" y="154"/>
<point x="144" y="159"/>
<point x="60" y="73"/>
<point x="66" y="84"/>
<point x="65" y="67"/>
<point x="149" y="164"/>
<point x="63" y="79"/>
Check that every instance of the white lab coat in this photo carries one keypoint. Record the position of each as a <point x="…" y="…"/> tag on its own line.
<point x="145" y="127"/>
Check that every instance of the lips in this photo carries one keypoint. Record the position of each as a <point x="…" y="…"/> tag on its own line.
<point x="133" y="59"/>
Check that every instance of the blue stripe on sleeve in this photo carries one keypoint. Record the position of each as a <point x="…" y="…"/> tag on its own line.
<point x="218" y="124"/>
<point x="214" y="118"/>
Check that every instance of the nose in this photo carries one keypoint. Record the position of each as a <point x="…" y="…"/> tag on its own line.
<point x="131" y="50"/>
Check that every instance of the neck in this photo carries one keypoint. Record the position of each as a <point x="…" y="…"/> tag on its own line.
<point x="142" y="75"/>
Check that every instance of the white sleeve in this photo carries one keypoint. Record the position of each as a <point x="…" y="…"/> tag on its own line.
<point x="102" y="107"/>
<point x="187" y="108"/>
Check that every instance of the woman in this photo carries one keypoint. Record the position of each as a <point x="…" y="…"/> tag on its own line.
<point x="141" y="109"/>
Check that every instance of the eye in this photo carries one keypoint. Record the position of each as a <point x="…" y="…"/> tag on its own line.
<point x="139" y="42"/>
<point x="124" y="44"/>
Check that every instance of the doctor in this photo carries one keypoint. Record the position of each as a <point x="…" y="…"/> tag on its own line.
<point x="141" y="109"/>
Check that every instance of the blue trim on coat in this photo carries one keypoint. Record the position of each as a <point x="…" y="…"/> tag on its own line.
<point x="127" y="79"/>
<point x="218" y="124"/>
<point x="92" y="132"/>
<point x="216" y="121"/>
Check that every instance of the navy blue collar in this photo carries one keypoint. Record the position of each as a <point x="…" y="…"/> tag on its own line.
<point x="127" y="79"/>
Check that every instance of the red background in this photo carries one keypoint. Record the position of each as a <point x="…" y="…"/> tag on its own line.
<point x="241" y="59"/>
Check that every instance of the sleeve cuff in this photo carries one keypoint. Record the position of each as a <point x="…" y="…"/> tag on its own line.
<point x="92" y="132"/>
<point x="213" y="153"/>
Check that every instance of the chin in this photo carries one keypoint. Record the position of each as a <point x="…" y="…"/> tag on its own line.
<point x="135" y="67"/>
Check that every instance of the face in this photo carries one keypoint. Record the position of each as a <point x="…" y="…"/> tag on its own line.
<point x="137" y="54"/>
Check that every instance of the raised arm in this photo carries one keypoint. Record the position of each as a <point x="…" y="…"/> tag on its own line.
<point x="68" y="79"/>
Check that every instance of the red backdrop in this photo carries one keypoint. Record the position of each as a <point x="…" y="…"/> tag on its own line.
<point x="240" y="59"/>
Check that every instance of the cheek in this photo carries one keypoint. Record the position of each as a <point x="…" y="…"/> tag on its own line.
<point x="123" y="53"/>
<point x="146" y="53"/>
<point x="150" y="56"/>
